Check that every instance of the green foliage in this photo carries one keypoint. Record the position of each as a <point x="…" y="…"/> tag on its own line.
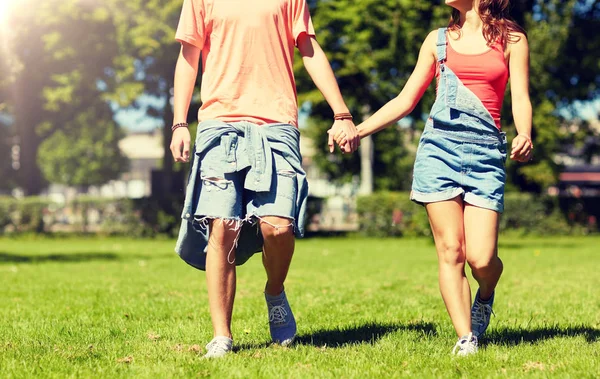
<point x="146" y="62"/>
<point x="391" y="214"/>
<point x="60" y="57"/>
<point x="373" y="46"/>
<point x="84" y="152"/>
<point x="539" y="215"/>
<point x="145" y="217"/>
<point x="7" y="173"/>
<point x="24" y="215"/>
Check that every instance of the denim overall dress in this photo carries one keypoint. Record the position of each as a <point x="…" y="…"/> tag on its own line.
<point x="461" y="151"/>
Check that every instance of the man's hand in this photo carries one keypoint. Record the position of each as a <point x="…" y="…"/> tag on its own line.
<point x="344" y="133"/>
<point x="522" y="148"/>
<point x="180" y="145"/>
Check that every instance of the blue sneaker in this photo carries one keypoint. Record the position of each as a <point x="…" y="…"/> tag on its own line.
<point x="481" y="312"/>
<point x="282" y="324"/>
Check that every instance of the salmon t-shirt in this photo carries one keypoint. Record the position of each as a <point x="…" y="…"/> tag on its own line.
<point x="247" y="57"/>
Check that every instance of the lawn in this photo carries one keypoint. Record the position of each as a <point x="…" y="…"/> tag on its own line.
<point x="365" y="308"/>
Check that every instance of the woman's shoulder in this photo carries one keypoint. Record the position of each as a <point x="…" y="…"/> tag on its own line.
<point x="516" y="37"/>
<point x="431" y="38"/>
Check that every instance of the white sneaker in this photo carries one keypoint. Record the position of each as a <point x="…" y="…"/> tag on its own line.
<point x="466" y="345"/>
<point x="218" y="347"/>
<point x="481" y="313"/>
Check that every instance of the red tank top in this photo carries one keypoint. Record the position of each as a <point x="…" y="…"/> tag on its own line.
<point x="485" y="74"/>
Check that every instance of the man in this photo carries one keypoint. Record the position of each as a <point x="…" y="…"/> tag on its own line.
<point x="247" y="190"/>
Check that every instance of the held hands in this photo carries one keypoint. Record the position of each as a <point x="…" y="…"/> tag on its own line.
<point x="180" y="145"/>
<point x="522" y="148"/>
<point x="345" y="135"/>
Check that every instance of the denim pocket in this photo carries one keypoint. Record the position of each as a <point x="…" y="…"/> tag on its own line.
<point x="229" y="143"/>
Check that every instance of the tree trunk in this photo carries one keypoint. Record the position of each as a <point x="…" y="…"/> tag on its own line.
<point x="366" y="166"/>
<point x="366" y="159"/>
<point x="27" y="106"/>
<point x="167" y="161"/>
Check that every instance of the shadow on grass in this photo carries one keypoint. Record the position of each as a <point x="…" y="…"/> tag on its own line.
<point x="77" y="257"/>
<point x="367" y="333"/>
<point x="350" y="335"/>
<point x="516" y="336"/>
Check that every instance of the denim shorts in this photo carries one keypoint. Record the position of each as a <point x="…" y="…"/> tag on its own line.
<point x="454" y="161"/>
<point x="223" y="175"/>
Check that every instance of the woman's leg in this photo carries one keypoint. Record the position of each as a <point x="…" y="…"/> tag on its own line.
<point x="446" y="220"/>
<point x="481" y="238"/>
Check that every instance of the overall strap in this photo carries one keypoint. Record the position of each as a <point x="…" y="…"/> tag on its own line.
<point x="441" y="44"/>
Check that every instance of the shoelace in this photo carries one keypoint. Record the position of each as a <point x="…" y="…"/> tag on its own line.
<point x="481" y="313"/>
<point x="468" y="345"/>
<point x="277" y="314"/>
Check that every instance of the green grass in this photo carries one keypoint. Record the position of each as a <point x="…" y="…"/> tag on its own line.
<point x="365" y="308"/>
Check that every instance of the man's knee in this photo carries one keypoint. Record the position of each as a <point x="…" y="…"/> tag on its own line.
<point x="223" y="232"/>
<point x="276" y="228"/>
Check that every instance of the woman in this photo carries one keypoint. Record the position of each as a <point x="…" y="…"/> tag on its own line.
<point x="459" y="172"/>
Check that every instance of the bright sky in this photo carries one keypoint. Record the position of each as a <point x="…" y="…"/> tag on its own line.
<point x="5" y="6"/>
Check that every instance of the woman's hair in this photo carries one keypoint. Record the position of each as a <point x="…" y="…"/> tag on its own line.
<point x="497" y="23"/>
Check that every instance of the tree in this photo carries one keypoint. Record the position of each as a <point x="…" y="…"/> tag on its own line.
<point x="8" y="160"/>
<point x="85" y="151"/>
<point x="146" y="64"/>
<point x="63" y="49"/>
<point x="373" y="46"/>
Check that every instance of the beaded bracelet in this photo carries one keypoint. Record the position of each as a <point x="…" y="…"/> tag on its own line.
<point x="342" y="116"/>
<point x="180" y="125"/>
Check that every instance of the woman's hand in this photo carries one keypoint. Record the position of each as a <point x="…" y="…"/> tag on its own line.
<point x="344" y="133"/>
<point x="522" y="148"/>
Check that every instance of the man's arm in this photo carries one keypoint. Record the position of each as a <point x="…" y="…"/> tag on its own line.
<point x="319" y="69"/>
<point x="186" y="72"/>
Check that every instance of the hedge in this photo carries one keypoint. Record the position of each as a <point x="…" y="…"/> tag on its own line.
<point x="132" y="217"/>
<point x="392" y="214"/>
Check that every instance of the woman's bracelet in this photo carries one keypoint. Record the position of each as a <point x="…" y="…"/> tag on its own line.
<point x="180" y="125"/>
<point x="342" y="116"/>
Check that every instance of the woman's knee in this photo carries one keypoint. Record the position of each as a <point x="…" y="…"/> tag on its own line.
<point x="451" y="252"/>
<point x="486" y="262"/>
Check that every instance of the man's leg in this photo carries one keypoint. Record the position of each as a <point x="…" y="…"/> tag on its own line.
<point x="278" y="249"/>
<point x="276" y="211"/>
<point x="220" y="274"/>
<point x="220" y="202"/>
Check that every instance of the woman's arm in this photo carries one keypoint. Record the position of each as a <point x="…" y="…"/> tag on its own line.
<point x="412" y="92"/>
<point x="320" y="71"/>
<point x="186" y="72"/>
<point x="521" y="104"/>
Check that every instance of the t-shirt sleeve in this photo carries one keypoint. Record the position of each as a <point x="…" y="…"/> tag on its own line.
<point x="301" y="21"/>
<point x="191" y="28"/>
